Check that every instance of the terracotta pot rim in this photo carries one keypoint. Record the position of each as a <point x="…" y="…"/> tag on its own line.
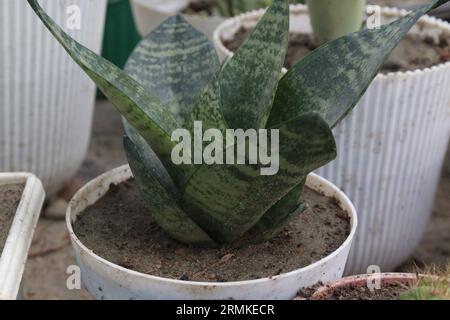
<point x="360" y="280"/>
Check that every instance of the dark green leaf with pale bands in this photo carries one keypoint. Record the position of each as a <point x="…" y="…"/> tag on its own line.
<point x="265" y="232"/>
<point x="149" y="160"/>
<point x="249" y="79"/>
<point x="175" y="63"/>
<point x="144" y="111"/>
<point x="161" y="204"/>
<point x="227" y="200"/>
<point x="247" y="82"/>
<point x="208" y="109"/>
<point x="277" y="216"/>
<point x="332" y="79"/>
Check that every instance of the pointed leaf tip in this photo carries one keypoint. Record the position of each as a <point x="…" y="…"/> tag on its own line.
<point x="175" y="62"/>
<point x="249" y="78"/>
<point x="332" y="78"/>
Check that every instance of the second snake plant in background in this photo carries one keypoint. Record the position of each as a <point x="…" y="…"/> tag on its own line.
<point x="174" y="79"/>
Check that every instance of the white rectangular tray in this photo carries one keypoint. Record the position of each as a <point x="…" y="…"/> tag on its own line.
<point x="20" y="235"/>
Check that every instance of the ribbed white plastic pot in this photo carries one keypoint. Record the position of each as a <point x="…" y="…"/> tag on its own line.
<point x="148" y="14"/>
<point x="15" y="252"/>
<point x="106" y="280"/>
<point x="390" y="149"/>
<point x="46" y="102"/>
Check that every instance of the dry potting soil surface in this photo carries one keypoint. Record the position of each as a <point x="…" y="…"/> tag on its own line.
<point x="387" y="292"/>
<point x="411" y="54"/>
<point x="10" y="196"/>
<point x="120" y="229"/>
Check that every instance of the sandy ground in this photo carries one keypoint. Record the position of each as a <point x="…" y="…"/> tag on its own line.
<point x="51" y="254"/>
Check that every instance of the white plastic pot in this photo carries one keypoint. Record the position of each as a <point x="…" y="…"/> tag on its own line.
<point x="106" y="280"/>
<point x="46" y="101"/>
<point x="15" y="252"/>
<point x="390" y="149"/>
<point x="148" y="14"/>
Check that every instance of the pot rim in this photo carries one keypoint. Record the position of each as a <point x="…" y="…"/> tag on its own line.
<point x="163" y="6"/>
<point x="344" y="201"/>
<point x="430" y="21"/>
<point x="359" y="280"/>
<point x="14" y="255"/>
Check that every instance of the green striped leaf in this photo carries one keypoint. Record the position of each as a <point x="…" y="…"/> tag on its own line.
<point x="150" y="160"/>
<point x="161" y="204"/>
<point x="208" y="109"/>
<point x="332" y="79"/>
<point x="227" y="200"/>
<point x="249" y="79"/>
<point x="175" y="63"/>
<point x="350" y="64"/>
<point x="277" y="216"/>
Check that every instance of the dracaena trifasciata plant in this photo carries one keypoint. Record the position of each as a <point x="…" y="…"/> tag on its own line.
<point x="174" y="78"/>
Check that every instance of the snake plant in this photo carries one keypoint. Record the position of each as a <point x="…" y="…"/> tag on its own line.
<point x="174" y="79"/>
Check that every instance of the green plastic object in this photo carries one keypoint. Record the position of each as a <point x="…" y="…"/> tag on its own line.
<point x="121" y="36"/>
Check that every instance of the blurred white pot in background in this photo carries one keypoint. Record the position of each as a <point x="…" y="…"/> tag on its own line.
<point x="46" y="101"/>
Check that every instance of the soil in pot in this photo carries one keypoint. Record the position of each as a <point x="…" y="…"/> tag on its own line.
<point x="412" y="53"/>
<point x="202" y="7"/>
<point x="120" y="229"/>
<point x="387" y="292"/>
<point x="10" y="196"/>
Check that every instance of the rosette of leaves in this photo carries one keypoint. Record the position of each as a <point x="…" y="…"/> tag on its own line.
<point x="174" y="78"/>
